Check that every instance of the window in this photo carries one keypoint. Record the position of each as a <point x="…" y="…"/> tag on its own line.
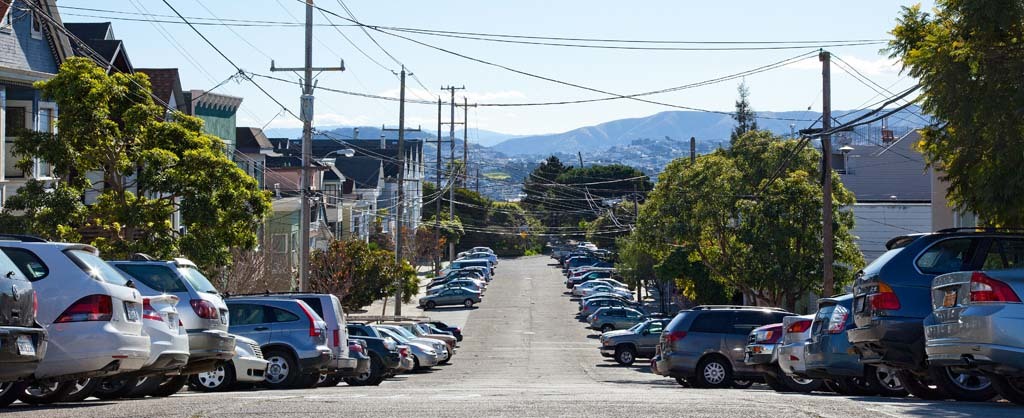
<point x="946" y="256"/>
<point x="246" y="314"/>
<point x="16" y="121"/>
<point x="315" y="304"/>
<point x="1005" y="254"/>
<point x="37" y="26"/>
<point x="197" y="280"/>
<point x="715" y="322"/>
<point x="655" y="328"/>
<point x="356" y="331"/>
<point x="281" y="315"/>
<point x="158" y="278"/>
<point x="29" y="264"/>
<point x="95" y="267"/>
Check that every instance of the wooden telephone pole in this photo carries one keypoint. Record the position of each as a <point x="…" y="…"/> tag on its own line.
<point x="826" y="175"/>
<point x="453" y="176"/>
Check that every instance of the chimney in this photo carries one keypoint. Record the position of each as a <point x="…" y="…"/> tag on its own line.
<point x="383" y="142"/>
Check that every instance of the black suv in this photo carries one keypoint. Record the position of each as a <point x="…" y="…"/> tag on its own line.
<point x="892" y="297"/>
<point x="22" y="340"/>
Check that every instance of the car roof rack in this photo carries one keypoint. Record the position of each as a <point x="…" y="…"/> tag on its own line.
<point x="980" y="229"/>
<point x="712" y="307"/>
<point x="141" y="257"/>
<point x="22" y="238"/>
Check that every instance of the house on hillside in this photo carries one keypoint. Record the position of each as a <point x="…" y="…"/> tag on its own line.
<point x="99" y="44"/>
<point x="166" y="86"/>
<point x="252" y="148"/>
<point x="360" y="194"/>
<point x="893" y="190"/>
<point x="218" y="112"/>
<point x="33" y="48"/>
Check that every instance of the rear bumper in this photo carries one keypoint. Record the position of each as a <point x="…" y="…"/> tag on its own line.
<point x="345" y="365"/>
<point x="316" y="364"/>
<point x="15" y="364"/>
<point x="994" y="358"/>
<point x="250" y="369"/>
<point x="791" y="358"/>
<point x="832" y="355"/>
<point x="210" y="345"/>
<point x="167" y="361"/>
<point x="986" y="336"/>
<point x="91" y="349"/>
<point x="677" y="364"/>
<point x="897" y="342"/>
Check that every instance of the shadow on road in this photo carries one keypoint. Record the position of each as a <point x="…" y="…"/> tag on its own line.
<point x="23" y="407"/>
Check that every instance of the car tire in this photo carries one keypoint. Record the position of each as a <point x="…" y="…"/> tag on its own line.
<point x="885" y="381"/>
<point x="792" y="384"/>
<point x="329" y="380"/>
<point x="146" y="386"/>
<point x="9" y="392"/>
<point x="468" y="303"/>
<point x="283" y="370"/>
<point x="116" y="387"/>
<point x="625" y="355"/>
<point x="921" y="386"/>
<point x="854" y="386"/>
<point x="42" y="393"/>
<point x="220" y="379"/>
<point x="448" y="358"/>
<point x="683" y="382"/>
<point x="775" y="384"/>
<point x="1009" y="387"/>
<point x="373" y="377"/>
<point x="431" y="305"/>
<point x="742" y="384"/>
<point x="713" y="372"/>
<point x="307" y="381"/>
<point x="81" y="389"/>
<point x="170" y="386"/>
<point x="963" y="386"/>
<point x="607" y="327"/>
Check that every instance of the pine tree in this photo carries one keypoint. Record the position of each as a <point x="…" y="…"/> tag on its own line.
<point x="746" y="119"/>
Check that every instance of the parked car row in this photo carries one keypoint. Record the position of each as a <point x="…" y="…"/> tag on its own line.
<point x="74" y="326"/>
<point x="463" y="281"/>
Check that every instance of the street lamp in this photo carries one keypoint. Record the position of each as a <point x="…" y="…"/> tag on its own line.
<point x="846" y="149"/>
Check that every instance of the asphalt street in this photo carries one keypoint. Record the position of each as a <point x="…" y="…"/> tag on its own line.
<point x="524" y="355"/>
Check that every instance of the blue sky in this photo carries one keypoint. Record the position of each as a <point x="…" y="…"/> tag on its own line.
<point x="794" y="87"/>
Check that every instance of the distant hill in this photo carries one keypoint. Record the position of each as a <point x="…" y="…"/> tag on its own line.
<point x="679" y="125"/>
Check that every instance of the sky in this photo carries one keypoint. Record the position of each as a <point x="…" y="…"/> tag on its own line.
<point x="369" y="69"/>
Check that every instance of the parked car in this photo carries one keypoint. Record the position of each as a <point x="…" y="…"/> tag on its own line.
<point x="247" y="366"/>
<point x="468" y="266"/>
<point x="424" y="354"/>
<point x="796" y="333"/>
<point x="92" y="318"/>
<point x="22" y="339"/>
<point x="384" y="355"/>
<point x="482" y="255"/>
<point x="292" y="337"/>
<point x="472" y="262"/>
<point x="477" y="282"/>
<point x="460" y="296"/>
<point x="828" y="354"/>
<point x="703" y="347"/>
<point x="202" y="311"/>
<point x="977" y="318"/>
<point x="892" y="297"/>
<point x="603" y="288"/>
<point x="597" y="303"/>
<point x="579" y="289"/>
<point x="456" y="331"/>
<point x="457" y="284"/>
<point x="762" y="354"/>
<point x="422" y="330"/>
<point x="640" y="341"/>
<point x="612" y="318"/>
<point x="358" y="350"/>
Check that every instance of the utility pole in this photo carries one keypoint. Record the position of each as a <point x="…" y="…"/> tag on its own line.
<point x="437" y="200"/>
<point x="580" y="153"/>
<point x="478" y="179"/>
<point x="465" y="142"/>
<point x="693" y="150"/>
<point x="453" y="176"/>
<point x="306" y="114"/>
<point x="826" y="173"/>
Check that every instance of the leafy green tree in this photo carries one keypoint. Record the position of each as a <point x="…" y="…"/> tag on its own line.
<point x="968" y="57"/>
<point x="540" y="190"/>
<point x="746" y="118"/>
<point x="360" y="274"/>
<point x="150" y="168"/>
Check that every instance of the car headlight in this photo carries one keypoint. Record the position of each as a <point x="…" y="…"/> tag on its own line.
<point x="243" y="350"/>
<point x="606" y="342"/>
<point x="430" y="352"/>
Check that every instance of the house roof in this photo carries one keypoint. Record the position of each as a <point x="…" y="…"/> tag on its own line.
<point x="370" y="148"/>
<point x="91" y="30"/>
<point x="364" y="171"/>
<point x="252" y="140"/>
<point x="99" y="37"/>
<point x="888" y="172"/>
<point x="166" y="83"/>
<point x="60" y="44"/>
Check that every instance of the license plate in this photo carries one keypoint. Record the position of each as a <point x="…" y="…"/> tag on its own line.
<point x="172" y="321"/>
<point x="25" y="346"/>
<point x="224" y="318"/>
<point x="949" y="299"/>
<point x="131" y="312"/>
<point x="859" y="304"/>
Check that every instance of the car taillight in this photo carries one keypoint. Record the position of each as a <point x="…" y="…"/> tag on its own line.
<point x="337" y="338"/>
<point x="799" y="326"/>
<point x="204" y="309"/>
<point x="837" y="322"/>
<point x="89" y="308"/>
<point x="883" y="298"/>
<point x="35" y="305"/>
<point x="355" y="348"/>
<point x="985" y="289"/>
<point x="403" y="351"/>
<point x="148" y="312"/>
<point x="314" y="331"/>
<point x="674" y="336"/>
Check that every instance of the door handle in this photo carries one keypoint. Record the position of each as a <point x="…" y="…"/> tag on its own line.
<point x="261" y="329"/>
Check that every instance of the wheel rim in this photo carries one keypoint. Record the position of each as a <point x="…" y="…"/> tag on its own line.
<point x="41" y="389"/>
<point x="5" y="387"/>
<point x="967" y="381"/>
<point x="626" y="356"/>
<point x="323" y="378"/>
<point x="469" y="304"/>
<point x="212" y="379"/>
<point x="802" y="381"/>
<point x="110" y="385"/>
<point x="888" y="378"/>
<point x="277" y="371"/>
<point x="714" y="373"/>
<point x="80" y="385"/>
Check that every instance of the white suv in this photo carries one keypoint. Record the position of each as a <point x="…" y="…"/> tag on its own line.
<point x="93" y="320"/>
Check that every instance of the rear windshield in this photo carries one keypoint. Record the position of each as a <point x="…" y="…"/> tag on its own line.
<point x="679" y="320"/>
<point x="158" y="278"/>
<point x="29" y="264"/>
<point x="197" y="280"/>
<point x="95" y="267"/>
<point x="881" y="261"/>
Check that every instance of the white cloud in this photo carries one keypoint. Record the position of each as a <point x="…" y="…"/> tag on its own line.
<point x="868" y="67"/>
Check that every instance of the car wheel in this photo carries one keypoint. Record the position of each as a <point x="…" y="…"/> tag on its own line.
<point x="797" y="384"/>
<point x="625" y="355"/>
<point x="307" y="381"/>
<point x="9" y="392"/>
<point x="921" y="387"/>
<point x="831" y="386"/>
<point x="170" y="385"/>
<point x="742" y="384"/>
<point x="854" y="386"/>
<point x="468" y="303"/>
<point x="146" y="386"/>
<point x="714" y="372"/>
<point x="1009" y="387"/>
<point x="221" y="378"/>
<point x="775" y="384"/>
<point x="885" y="380"/>
<point x="607" y="327"/>
<point x="963" y="386"/>
<point x="81" y="389"/>
<point x="371" y="377"/>
<point x="45" y="392"/>
<point x="328" y="380"/>
<point x="116" y="387"/>
<point x="683" y="382"/>
<point x="431" y="304"/>
<point x="282" y="372"/>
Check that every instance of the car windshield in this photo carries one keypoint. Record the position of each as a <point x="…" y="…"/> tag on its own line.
<point x="636" y="328"/>
<point x="96" y="267"/>
<point x="198" y="281"/>
<point x="404" y="332"/>
<point x="389" y="332"/>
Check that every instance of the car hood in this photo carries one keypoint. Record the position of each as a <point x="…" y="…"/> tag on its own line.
<point x="619" y="333"/>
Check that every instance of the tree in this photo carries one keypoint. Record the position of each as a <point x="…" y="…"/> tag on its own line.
<point x="359" y="274"/>
<point x="248" y="274"/>
<point x="968" y="58"/>
<point x="150" y="169"/>
<point x="539" y="189"/>
<point x="746" y="119"/>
